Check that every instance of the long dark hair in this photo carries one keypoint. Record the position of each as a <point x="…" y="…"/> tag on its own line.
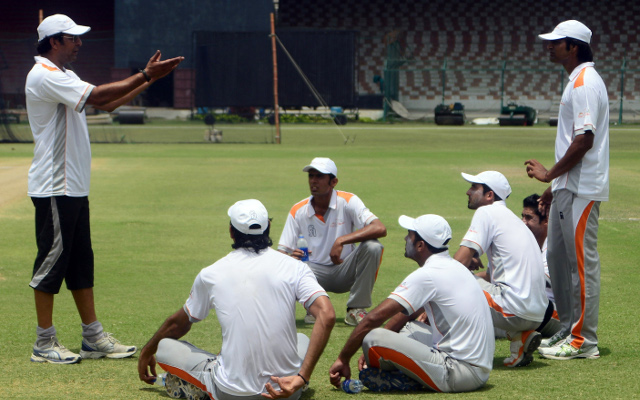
<point x="255" y="243"/>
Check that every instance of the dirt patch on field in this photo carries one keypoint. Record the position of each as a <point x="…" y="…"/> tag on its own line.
<point x="13" y="180"/>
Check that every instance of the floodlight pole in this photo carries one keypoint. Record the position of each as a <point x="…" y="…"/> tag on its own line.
<point x="275" y="79"/>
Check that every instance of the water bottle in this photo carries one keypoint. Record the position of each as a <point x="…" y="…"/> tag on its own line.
<point x="161" y="379"/>
<point x="302" y="245"/>
<point x="352" y="386"/>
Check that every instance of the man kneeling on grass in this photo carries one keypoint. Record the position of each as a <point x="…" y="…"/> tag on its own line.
<point x="454" y="353"/>
<point x="253" y="291"/>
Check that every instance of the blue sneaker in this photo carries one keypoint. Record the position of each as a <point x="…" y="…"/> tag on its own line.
<point x="54" y="353"/>
<point x="378" y="380"/>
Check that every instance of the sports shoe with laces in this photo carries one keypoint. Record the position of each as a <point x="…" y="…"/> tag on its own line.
<point x="178" y="388"/>
<point x="108" y="346"/>
<point x="174" y="386"/>
<point x="309" y="319"/>
<point x="557" y="339"/>
<point x="354" y="316"/>
<point x="522" y="347"/>
<point x="54" y="353"/>
<point x="566" y="351"/>
<point x="378" y="380"/>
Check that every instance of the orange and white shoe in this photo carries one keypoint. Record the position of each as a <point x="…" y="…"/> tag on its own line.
<point x="523" y="344"/>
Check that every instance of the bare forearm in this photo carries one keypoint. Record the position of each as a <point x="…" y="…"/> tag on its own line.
<point x="124" y="99"/>
<point x="174" y="327"/>
<point x="576" y="151"/>
<point x="374" y="230"/>
<point x="319" y="338"/>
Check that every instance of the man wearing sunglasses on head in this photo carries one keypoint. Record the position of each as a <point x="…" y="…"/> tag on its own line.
<point x="59" y="183"/>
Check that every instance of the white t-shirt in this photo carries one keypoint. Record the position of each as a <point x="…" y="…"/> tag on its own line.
<point x="585" y="107"/>
<point x="62" y="155"/>
<point x="254" y="297"/>
<point x="456" y="307"/>
<point x="515" y="262"/>
<point x="346" y="213"/>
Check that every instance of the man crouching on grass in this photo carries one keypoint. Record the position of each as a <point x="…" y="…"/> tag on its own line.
<point x="253" y="291"/>
<point x="452" y="354"/>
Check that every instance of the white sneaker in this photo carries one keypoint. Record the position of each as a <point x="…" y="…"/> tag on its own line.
<point x="566" y="351"/>
<point x="54" y="353"/>
<point x="557" y="339"/>
<point x="354" y="316"/>
<point x="522" y="347"/>
<point x="309" y="319"/>
<point x="108" y="347"/>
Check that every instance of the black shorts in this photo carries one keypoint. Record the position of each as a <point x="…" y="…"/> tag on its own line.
<point x="64" y="244"/>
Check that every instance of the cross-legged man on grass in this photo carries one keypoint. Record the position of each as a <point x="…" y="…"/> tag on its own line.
<point x="513" y="283"/>
<point x="59" y="183"/>
<point x="333" y="222"/>
<point x="454" y="352"/>
<point x="253" y="290"/>
<point x="579" y="182"/>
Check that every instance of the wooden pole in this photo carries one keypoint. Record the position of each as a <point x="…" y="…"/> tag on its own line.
<point x="40" y="16"/>
<point x="275" y="79"/>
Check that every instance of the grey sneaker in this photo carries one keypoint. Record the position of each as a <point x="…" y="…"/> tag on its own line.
<point x="180" y="389"/>
<point x="354" y="316"/>
<point x="378" y="380"/>
<point x="553" y="341"/>
<point x="54" y="353"/>
<point x="174" y="386"/>
<point x="108" y="347"/>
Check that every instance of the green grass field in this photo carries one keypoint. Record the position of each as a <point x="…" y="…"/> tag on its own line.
<point x="159" y="216"/>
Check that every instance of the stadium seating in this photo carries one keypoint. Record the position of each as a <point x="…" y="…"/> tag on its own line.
<point x="474" y="38"/>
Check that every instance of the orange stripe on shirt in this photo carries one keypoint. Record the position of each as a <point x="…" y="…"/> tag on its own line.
<point x="579" y="238"/>
<point x="376" y="353"/>
<point x="298" y="206"/>
<point x="580" y="79"/>
<point x="345" y="195"/>
<point x="495" y="305"/>
<point x="49" y="68"/>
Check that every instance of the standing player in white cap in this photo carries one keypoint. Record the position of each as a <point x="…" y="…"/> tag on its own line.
<point x="454" y="353"/>
<point x="579" y="182"/>
<point x="333" y="222"/>
<point x="253" y="291"/>
<point x="59" y="183"/>
<point x="513" y="283"/>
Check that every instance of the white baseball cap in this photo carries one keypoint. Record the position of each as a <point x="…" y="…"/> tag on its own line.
<point x="569" y="29"/>
<point x="434" y="229"/>
<point x="59" y="23"/>
<point x="494" y="179"/>
<point x="322" y="164"/>
<point x="247" y="213"/>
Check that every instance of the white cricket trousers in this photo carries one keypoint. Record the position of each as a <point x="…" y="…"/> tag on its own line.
<point x="410" y="351"/>
<point x="199" y="367"/>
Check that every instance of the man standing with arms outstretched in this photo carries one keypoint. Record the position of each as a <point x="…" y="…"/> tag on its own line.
<point x="579" y="182"/>
<point x="59" y="183"/>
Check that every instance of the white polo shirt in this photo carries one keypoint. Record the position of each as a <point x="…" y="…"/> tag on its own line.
<point x="515" y="262"/>
<point x="585" y="107"/>
<point x="346" y="213"/>
<point x="254" y="297"/>
<point x="62" y="155"/>
<point x="456" y="307"/>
